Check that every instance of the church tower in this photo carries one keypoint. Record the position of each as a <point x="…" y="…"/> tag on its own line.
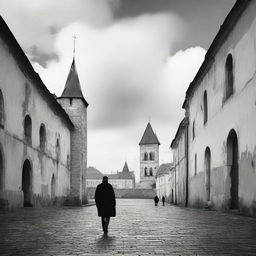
<point x="149" y="157"/>
<point x="75" y="105"/>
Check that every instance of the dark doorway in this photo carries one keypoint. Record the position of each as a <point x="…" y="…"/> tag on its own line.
<point x="232" y="163"/>
<point x="207" y="159"/>
<point x="53" y="187"/>
<point x="26" y="183"/>
<point x="1" y="170"/>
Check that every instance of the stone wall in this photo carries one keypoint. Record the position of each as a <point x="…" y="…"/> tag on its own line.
<point x="127" y="193"/>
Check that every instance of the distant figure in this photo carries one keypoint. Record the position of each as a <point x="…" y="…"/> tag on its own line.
<point x="105" y="202"/>
<point x="156" y="199"/>
<point x="163" y="200"/>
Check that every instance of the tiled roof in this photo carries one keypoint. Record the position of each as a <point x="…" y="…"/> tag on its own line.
<point x="164" y="169"/>
<point x="149" y="137"/>
<point x="93" y="173"/>
<point x="72" y="87"/>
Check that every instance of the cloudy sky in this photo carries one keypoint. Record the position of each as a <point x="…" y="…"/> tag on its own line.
<point x="135" y="59"/>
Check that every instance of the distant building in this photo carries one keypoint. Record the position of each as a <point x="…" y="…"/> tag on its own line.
<point x="120" y="180"/>
<point x="163" y="181"/>
<point x="43" y="140"/>
<point x="149" y="158"/>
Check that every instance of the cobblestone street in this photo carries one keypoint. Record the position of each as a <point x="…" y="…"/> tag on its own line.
<point x="140" y="228"/>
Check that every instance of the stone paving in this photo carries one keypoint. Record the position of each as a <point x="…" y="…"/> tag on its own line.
<point x="140" y="228"/>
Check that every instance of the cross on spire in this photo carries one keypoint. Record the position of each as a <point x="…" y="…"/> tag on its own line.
<point x="74" y="46"/>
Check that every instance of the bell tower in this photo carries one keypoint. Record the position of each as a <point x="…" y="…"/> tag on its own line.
<point x="75" y="105"/>
<point x="149" y="157"/>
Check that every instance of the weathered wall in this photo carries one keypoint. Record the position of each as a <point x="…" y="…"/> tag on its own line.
<point x="126" y="193"/>
<point x="178" y="185"/>
<point x="163" y="186"/>
<point x="22" y="98"/>
<point x="237" y="112"/>
<point x="77" y="112"/>
<point x="147" y="181"/>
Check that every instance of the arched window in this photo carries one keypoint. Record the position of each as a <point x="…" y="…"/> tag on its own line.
<point x="152" y="156"/>
<point x="57" y="150"/>
<point x="205" y="107"/>
<point x="151" y="171"/>
<point x="145" y="156"/>
<point x="193" y="130"/>
<point x="42" y="136"/>
<point x="1" y="109"/>
<point x="195" y="164"/>
<point x="229" y="77"/>
<point x="28" y="129"/>
<point x="145" y="171"/>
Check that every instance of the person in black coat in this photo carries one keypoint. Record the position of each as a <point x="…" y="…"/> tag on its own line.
<point x="156" y="199"/>
<point x="106" y="202"/>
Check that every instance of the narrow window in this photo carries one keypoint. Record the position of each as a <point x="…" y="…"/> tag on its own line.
<point x="195" y="164"/>
<point x="193" y="129"/>
<point x="145" y="171"/>
<point x="150" y="171"/>
<point x="152" y="156"/>
<point x="145" y="156"/>
<point x="1" y="109"/>
<point x="28" y="129"/>
<point x="42" y="135"/>
<point x="229" y="77"/>
<point x="57" y="150"/>
<point x="205" y="107"/>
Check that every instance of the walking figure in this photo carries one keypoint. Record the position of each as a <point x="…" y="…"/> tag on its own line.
<point x="163" y="200"/>
<point x="105" y="202"/>
<point x="156" y="199"/>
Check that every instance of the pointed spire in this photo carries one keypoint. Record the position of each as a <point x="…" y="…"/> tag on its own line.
<point x="72" y="87"/>
<point x="126" y="169"/>
<point x="149" y="137"/>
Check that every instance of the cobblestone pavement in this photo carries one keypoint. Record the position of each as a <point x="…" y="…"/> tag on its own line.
<point x="140" y="228"/>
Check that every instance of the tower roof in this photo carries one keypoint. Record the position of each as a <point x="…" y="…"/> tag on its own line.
<point x="149" y="137"/>
<point x="72" y="87"/>
<point x="126" y="169"/>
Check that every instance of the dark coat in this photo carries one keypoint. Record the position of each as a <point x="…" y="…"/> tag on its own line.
<point x="105" y="200"/>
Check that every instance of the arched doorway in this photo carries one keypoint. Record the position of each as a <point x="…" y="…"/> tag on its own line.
<point x="53" y="187"/>
<point x="27" y="183"/>
<point x="232" y="163"/>
<point x="207" y="162"/>
<point x="1" y="170"/>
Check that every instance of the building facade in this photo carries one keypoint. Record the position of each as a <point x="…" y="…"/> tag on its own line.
<point x="220" y="107"/>
<point x="163" y="185"/>
<point x="120" y="180"/>
<point x="149" y="158"/>
<point x="179" y="175"/>
<point x="35" y="134"/>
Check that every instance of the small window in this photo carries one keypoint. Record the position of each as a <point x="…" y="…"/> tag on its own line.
<point x="1" y="109"/>
<point x="151" y="171"/>
<point x="145" y="156"/>
<point x="42" y="135"/>
<point x="195" y="164"/>
<point x="151" y="156"/>
<point x="28" y="129"/>
<point x="229" y="77"/>
<point x="145" y="171"/>
<point x="205" y="107"/>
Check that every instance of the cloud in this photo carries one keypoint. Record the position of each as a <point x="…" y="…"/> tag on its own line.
<point x="126" y="75"/>
<point x="124" y="68"/>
